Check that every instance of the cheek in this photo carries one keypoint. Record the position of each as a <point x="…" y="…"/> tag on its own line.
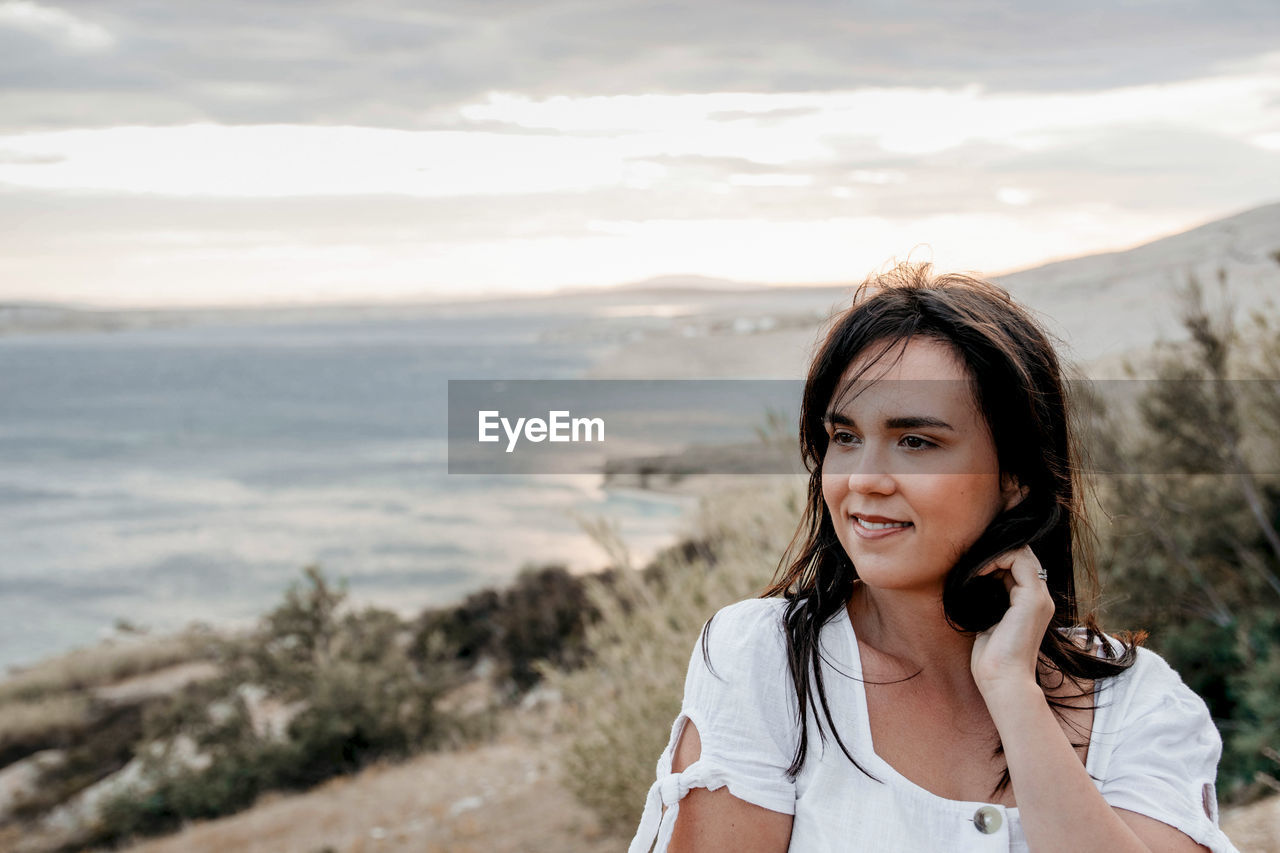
<point x="960" y="513"/>
<point x="971" y="505"/>
<point x="833" y="492"/>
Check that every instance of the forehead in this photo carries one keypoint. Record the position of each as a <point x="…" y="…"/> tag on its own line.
<point x="921" y="358"/>
<point x="927" y="377"/>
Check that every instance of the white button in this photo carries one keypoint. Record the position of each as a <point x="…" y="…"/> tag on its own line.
<point x="988" y="819"/>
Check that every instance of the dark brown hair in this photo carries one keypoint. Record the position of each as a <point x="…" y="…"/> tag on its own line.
<point x="1018" y="385"/>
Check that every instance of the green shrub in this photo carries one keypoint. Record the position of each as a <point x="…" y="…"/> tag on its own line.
<point x="1192" y="552"/>
<point x="541" y="616"/>
<point x="357" y="693"/>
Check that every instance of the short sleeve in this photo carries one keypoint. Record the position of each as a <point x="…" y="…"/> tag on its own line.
<point x="740" y="698"/>
<point x="1163" y="760"/>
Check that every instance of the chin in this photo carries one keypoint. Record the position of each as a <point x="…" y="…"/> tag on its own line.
<point x="886" y="578"/>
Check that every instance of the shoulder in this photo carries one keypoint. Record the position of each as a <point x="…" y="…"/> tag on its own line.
<point x="1158" y="749"/>
<point x="1150" y="685"/>
<point x="746" y="639"/>
<point x="755" y="621"/>
<point x="1150" y="698"/>
<point x="1152" y="722"/>
<point x="739" y="692"/>
<point x="742" y="648"/>
<point x="1151" y="671"/>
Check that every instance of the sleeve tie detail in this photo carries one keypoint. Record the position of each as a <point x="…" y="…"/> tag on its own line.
<point x="668" y="791"/>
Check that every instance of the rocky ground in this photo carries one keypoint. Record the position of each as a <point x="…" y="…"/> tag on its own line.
<point x="504" y="796"/>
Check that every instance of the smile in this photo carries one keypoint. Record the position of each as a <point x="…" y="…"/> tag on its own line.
<point x="878" y="530"/>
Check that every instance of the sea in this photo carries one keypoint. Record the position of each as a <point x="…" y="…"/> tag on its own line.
<point x="155" y="477"/>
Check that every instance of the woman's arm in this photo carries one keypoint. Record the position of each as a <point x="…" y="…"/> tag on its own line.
<point x="716" y="820"/>
<point x="1060" y="807"/>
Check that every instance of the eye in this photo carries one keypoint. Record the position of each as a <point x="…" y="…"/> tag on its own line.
<point x="915" y="442"/>
<point x="843" y="438"/>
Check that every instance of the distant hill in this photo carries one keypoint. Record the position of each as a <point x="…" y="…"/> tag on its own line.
<point x="1102" y="305"/>
<point x="1124" y="301"/>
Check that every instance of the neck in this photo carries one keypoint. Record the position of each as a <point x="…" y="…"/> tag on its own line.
<point x="911" y="627"/>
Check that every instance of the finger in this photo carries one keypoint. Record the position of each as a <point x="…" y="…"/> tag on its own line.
<point x="999" y="563"/>
<point x="1025" y="567"/>
<point x="1005" y="561"/>
<point x="1002" y="574"/>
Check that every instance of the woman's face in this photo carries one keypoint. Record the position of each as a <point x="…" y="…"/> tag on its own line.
<point x="910" y="477"/>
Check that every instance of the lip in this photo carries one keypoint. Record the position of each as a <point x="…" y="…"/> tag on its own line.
<point x="864" y="533"/>
<point x="877" y="519"/>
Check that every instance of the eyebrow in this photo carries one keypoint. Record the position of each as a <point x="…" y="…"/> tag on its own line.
<point x="900" y="422"/>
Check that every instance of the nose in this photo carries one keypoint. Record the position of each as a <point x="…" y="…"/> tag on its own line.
<point x="868" y="474"/>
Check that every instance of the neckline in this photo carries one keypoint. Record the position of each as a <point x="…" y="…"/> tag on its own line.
<point x="865" y="748"/>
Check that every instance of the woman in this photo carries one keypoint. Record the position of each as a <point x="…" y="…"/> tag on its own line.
<point x="920" y="676"/>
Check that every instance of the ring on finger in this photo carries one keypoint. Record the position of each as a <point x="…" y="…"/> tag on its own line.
<point x="1042" y="573"/>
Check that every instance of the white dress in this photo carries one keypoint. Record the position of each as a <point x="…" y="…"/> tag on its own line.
<point x="1154" y="750"/>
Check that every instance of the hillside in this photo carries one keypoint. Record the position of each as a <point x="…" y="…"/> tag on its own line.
<point x="1104" y="306"/>
<point x="1123" y="301"/>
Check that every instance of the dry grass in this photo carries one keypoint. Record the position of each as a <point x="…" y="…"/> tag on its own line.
<point x="107" y="663"/>
<point x="40" y="719"/>
<point x="157" y="683"/>
<point x="57" y="700"/>
<point x="622" y="706"/>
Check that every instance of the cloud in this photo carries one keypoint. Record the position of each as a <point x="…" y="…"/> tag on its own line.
<point x="36" y="219"/>
<point x="895" y="146"/>
<point x="56" y="25"/>
<point x="300" y="160"/>
<point x="398" y="63"/>
<point x="764" y="117"/>
<point x="24" y="158"/>
<point x="978" y="205"/>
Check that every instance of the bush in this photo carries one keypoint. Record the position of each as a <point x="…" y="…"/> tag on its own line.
<point x="1192" y="551"/>
<point x="622" y="702"/>
<point x="542" y="616"/>
<point x="354" y="693"/>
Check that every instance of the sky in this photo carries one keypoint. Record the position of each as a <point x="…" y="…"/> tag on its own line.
<point x="160" y="153"/>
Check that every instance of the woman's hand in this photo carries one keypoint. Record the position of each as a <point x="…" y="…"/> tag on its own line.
<point x="1060" y="807"/>
<point x="1005" y="655"/>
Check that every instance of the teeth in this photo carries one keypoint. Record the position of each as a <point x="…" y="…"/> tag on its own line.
<point x="872" y="525"/>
